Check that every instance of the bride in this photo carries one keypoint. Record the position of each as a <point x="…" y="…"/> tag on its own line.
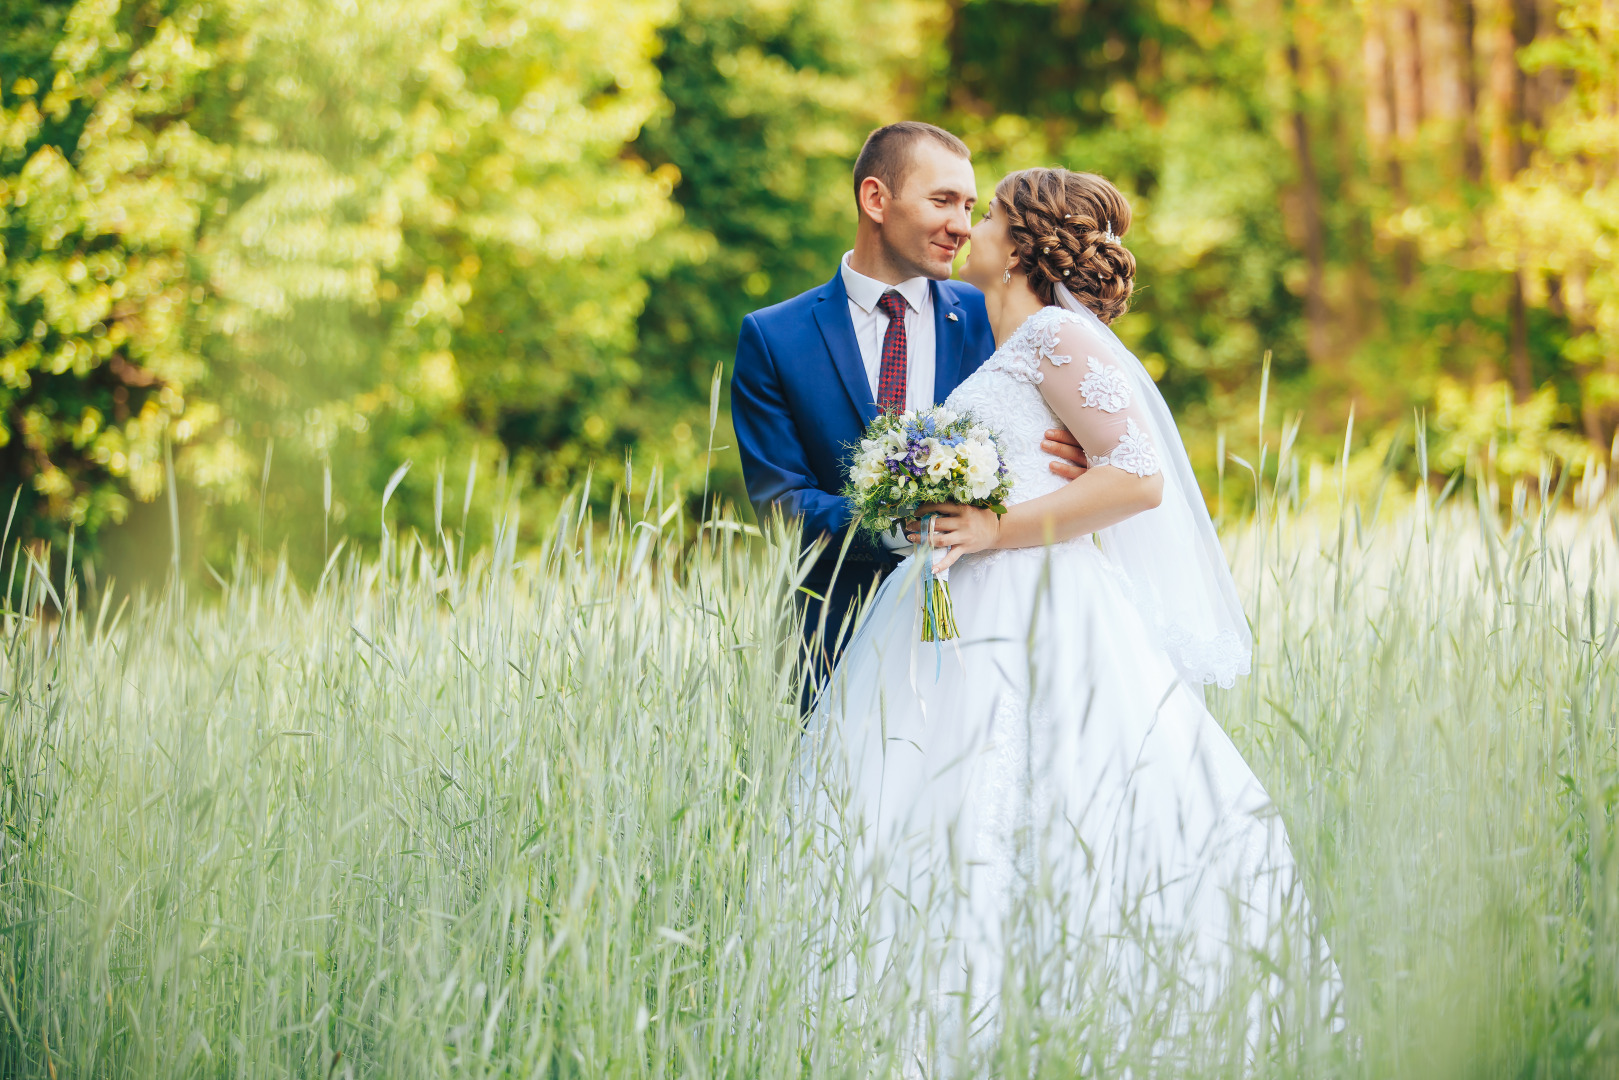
<point x="1043" y="807"/>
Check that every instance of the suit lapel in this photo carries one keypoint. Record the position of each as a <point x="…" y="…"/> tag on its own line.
<point x="949" y="337"/>
<point x="832" y="316"/>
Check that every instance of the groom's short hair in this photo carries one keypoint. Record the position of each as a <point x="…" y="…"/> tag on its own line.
<point x="887" y="153"/>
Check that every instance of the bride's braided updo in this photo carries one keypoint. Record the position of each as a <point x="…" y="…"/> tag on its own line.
<point x="1059" y="224"/>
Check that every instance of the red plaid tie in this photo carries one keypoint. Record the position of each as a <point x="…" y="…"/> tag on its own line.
<point x="891" y="381"/>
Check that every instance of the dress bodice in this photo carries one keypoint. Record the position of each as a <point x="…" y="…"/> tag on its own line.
<point x="1008" y="394"/>
<point x="1004" y="395"/>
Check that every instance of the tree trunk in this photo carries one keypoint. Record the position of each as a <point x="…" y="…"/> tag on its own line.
<point x="1416" y="91"/>
<point x="1525" y="16"/>
<point x="1466" y="17"/>
<point x="1601" y="422"/>
<point x="1504" y="76"/>
<point x="1402" y="95"/>
<point x="1525" y="100"/>
<point x="1374" y="59"/>
<point x="1523" y="383"/>
<point x="1315" y="239"/>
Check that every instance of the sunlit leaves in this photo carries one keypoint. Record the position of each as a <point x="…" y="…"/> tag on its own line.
<point x="1558" y="221"/>
<point x="333" y="225"/>
<point x="95" y="364"/>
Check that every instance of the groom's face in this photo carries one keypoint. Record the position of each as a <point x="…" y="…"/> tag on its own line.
<point x="929" y="218"/>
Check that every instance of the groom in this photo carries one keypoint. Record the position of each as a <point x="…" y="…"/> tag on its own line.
<point x="889" y="331"/>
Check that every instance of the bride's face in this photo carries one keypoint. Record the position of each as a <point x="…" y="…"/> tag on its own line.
<point x="990" y="249"/>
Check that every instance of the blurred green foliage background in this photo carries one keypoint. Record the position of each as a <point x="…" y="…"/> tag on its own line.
<point x="274" y="250"/>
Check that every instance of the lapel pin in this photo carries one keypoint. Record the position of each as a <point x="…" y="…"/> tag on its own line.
<point x="951" y="315"/>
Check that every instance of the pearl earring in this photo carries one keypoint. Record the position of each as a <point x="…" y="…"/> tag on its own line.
<point x="1006" y="278"/>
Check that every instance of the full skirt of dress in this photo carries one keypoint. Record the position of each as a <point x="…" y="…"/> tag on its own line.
<point x="1042" y="807"/>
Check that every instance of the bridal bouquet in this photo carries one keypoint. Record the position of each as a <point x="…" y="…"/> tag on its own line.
<point x="926" y="456"/>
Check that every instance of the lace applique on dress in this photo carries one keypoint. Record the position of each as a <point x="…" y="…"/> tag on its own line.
<point x="1006" y="396"/>
<point x="1036" y="340"/>
<point x="1018" y="363"/>
<point x="1105" y="387"/>
<point x="1043" y="331"/>
<point x="1135" y="452"/>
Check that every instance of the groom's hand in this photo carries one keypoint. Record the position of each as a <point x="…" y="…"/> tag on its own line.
<point x="1060" y="443"/>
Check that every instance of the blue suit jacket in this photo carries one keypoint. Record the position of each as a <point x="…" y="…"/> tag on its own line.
<point x="800" y="401"/>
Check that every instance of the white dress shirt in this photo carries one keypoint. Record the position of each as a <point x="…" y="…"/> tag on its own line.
<point x="870" y="324"/>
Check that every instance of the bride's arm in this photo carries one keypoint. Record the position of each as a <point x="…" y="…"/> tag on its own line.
<point x="1104" y="496"/>
<point x="1101" y="497"/>
<point x="1092" y="396"/>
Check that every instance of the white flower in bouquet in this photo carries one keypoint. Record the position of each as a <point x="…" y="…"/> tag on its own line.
<point x="868" y="470"/>
<point x="983" y="471"/>
<point x="940" y="459"/>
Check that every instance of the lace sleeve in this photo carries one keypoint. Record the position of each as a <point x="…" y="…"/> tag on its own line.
<point x="1092" y="396"/>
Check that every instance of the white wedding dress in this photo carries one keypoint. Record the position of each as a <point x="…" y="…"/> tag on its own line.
<point x="1049" y="788"/>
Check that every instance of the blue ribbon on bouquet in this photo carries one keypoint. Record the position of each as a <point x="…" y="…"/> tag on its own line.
<point x="928" y="611"/>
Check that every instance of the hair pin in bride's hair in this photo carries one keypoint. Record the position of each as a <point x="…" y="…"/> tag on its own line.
<point x="1110" y="237"/>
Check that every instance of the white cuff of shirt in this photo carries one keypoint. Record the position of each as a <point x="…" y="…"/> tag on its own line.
<point x="894" y="540"/>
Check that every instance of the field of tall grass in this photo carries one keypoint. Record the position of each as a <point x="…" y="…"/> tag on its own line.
<point x="503" y="813"/>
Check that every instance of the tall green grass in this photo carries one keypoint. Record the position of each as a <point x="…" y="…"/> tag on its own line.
<point x="1436" y="711"/>
<point x="537" y="814"/>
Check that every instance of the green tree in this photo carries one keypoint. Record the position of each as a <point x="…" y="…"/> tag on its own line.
<point x="1175" y="105"/>
<point x="314" y="235"/>
<point x="100" y="200"/>
<point x="1310" y="179"/>
<point x="435" y="245"/>
<point x="1557" y="222"/>
<point x="768" y="104"/>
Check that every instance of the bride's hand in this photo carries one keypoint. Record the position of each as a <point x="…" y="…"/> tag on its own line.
<point x="962" y="529"/>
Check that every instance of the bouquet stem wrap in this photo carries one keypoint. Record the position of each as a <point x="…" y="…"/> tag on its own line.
<point x="938" y="616"/>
